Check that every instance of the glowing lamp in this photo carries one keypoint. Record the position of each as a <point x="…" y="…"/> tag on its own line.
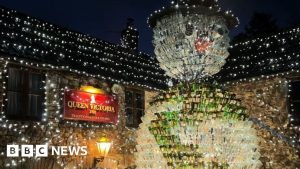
<point x="103" y="146"/>
<point x="91" y="89"/>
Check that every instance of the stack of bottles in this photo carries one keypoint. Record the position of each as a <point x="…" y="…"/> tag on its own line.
<point x="197" y="126"/>
<point x="149" y="155"/>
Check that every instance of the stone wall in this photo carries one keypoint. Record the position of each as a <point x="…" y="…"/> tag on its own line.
<point x="58" y="132"/>
<point x="266" y="101"/>
<point x="149" y="96"/>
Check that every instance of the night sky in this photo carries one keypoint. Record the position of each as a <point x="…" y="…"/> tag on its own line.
<point x="105" y="19"/>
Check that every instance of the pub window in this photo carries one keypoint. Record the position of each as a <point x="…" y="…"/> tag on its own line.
<point x="25" y="95"/>
<point x="295" y="102"/>
<point x="134" y="107"/>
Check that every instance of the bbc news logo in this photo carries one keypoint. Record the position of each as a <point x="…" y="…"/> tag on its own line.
<point x="43" y="150"/>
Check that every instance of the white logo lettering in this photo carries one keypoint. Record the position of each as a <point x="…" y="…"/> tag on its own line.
<point x="42" y="150"/>
<point x="12" y="150"/>
<point x="27" y="150"/>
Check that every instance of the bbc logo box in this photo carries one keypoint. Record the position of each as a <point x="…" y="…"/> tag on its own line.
<point x="27" y="150"/>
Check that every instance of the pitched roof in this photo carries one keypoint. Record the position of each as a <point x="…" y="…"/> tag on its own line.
<point x="261" y="56"/>
<point x="39" y="41"/>
<point x="29" y="38"/>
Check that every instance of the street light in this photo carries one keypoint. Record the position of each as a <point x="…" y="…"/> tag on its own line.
<point x="103" y="146"/>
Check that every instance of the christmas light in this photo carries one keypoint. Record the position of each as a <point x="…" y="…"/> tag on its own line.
<point x="56" y="47"/>
<point x="191" y="43"/>
<point x="269" y="56"/>
<point x="200" y="126"/>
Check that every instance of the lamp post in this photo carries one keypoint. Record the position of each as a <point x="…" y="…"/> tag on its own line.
<point x="103" y="146"/>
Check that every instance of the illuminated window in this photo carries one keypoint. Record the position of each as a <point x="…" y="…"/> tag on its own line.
<point x="295" y="102"/>
<point x="134" y="107"/>
<point x="25" y="94"/>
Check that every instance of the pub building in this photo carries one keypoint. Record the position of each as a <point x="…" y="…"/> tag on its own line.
<point x="64" y="88"/>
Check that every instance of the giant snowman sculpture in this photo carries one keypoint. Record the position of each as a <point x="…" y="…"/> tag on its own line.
<point x="194" y="125"/>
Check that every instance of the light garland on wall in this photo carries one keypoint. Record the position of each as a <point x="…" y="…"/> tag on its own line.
<point x="39" y="32"/>
<point x="52" y="123"/>
<point x="35" y="40"/>
<point x="18" y="127"/>
<point x="130" y="36"/>
<point x="263" y="56"/>
<point x="68" y="69"/>
<point x="275" y="136"/>
<point x="281" y="133"/>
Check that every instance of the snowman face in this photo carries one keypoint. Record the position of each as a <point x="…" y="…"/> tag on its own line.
<point x="183" y="42"/>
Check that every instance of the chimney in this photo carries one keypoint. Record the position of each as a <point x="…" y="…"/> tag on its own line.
<point x="130" y="36"/>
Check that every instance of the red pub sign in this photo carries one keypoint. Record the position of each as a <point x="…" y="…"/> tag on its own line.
<point x="85" y="106"/>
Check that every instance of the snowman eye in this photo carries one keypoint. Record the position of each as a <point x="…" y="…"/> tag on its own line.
<point x="189" y="28"/>
<point x="220" y="31"/>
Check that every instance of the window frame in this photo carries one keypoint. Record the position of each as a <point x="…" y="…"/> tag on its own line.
<point x="25" y="92"/>
<point x="135" y="115"/>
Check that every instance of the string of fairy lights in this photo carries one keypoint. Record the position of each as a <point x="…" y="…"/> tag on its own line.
<point x="191" y="38"/>
<point x="52" y="119"/>
<point x="17" y="127"/>
<point x="130" y="37"/>
<point x="36" y="40"/>
<point x="82" y="51"/>
<point x="270" y="57"/>
<point x="279" y="132"/>
<point x="263" y="56"/>
<point x="183" y="4"/>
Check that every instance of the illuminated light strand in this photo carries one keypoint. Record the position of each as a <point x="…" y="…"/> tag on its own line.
<point x="15" y="126"/>
<point x="50" y="87"/>
<point x="214" y="7"/>
<point x="197" y="53"/>
<point x="191" y="38"/>
<point x="211" y="130"/>
<point x="145" y="73"/>
<point x="66" y="68"/>
<point x="195" y="112"/>
<point x="39" y="29"/>
<point x="280" y="133"/>
<point x="262" y="56"/>
<point x="130" y="36"/>
<point x="275" y="133"/>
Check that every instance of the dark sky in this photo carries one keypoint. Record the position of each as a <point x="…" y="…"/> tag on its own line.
<point x="105" y="19"/>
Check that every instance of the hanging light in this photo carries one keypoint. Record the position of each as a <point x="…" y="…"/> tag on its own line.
<point x="91" y="89"/>
<point x="103" y="146"/>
